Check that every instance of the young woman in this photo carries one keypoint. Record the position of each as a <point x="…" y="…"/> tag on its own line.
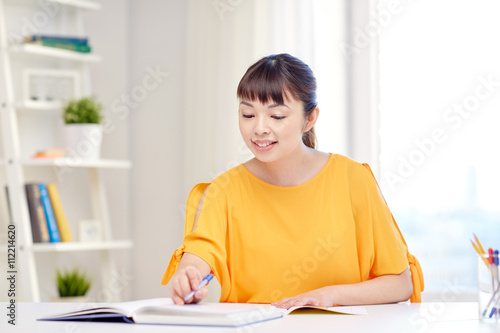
<point x="293" y="225"/>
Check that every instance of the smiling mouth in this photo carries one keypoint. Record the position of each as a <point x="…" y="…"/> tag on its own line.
<point x="265" y="144"/>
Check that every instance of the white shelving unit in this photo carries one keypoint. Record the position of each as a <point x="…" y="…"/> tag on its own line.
<point x="38" y="106"/>
<point x="62" y="162"/>
<point x="15" y="164"/>
<point x="54" y="53"/>
<point x="75" y="246"/>
<point x="84" y="4"/>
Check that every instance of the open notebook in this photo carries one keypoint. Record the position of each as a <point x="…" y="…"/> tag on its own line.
<point x="164" y="311"/>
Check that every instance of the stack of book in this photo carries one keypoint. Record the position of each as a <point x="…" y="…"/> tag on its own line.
<point x="77" y="44"/>
<point x="48" y="220"/>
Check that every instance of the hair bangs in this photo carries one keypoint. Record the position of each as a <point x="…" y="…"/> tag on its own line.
<point x="263" y="83"/>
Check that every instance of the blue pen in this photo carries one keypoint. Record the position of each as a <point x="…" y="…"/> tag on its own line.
<point x="203" y="283"/>
<point x="496" y="311"/>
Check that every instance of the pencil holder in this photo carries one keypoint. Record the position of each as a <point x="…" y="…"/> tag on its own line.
<point x="488" y="288"/>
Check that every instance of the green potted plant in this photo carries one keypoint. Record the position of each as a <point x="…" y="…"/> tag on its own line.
<point x="72" y="286"/>
<point x="82" y="118"/>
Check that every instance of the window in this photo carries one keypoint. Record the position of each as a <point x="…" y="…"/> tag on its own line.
<point x="440" y="137"/>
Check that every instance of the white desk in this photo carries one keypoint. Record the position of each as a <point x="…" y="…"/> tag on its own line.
<point x="402" y="317"/>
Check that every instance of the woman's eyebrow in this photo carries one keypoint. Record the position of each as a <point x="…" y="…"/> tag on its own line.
<point x="276" y="105"/>
<point x="269" y="107"/>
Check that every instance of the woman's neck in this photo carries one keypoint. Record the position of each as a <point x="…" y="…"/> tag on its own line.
<point x="292" y="170"/>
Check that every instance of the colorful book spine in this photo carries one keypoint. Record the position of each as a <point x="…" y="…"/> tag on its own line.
<point x="39" y="226"/>
<point x="66" y="46"/>
<point x="62" y="39"/>
<point x="62" y="222"/>
<point x="49" y="214"/>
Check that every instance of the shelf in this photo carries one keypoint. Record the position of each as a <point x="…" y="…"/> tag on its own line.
<point x="83" y="4"/>
<point x="55" y="52"/>
<point x="79" y="3"/>
<point x="81" y="246"/>
<point x="39" y="106"/>
<point x="78" y="163"/>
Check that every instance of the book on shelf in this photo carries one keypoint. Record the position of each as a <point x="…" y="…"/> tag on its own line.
<point x="77" y="44"/>
<point x="164" y="311"/>
<point x="54" y="234"/>
<point x="65" y="46"/>
<point x="62" y="222"/>
<point x="56" y="38"/>
<point x="39" y="228"/>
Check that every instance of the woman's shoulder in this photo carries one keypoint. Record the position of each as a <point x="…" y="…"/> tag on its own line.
<point x="348" y="165"/>
<point x="232" y="173"/>
<point x="220" y="187"/>
<point x="229" y="179"/>
<point x="358" y="177"/>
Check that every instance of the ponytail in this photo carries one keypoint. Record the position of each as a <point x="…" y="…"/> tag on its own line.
<point x="309" y="138"/>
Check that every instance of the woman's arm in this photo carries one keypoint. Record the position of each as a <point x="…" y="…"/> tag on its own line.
<point x="380" y="290"/>
<point x="188" y="276"/>
<point x="190" y="271"/>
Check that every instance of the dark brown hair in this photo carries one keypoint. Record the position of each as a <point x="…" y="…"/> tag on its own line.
<point x="273" y="77"/>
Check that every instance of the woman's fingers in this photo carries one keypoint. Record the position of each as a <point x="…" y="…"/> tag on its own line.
<point x="184" y="282"/>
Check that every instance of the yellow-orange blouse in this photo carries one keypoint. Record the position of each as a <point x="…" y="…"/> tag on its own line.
<point x="265" y="242"/>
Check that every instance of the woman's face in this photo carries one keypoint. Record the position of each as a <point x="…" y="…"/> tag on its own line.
<point x="272" y="131"/>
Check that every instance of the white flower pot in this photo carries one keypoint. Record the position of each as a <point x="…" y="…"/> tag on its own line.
<point x="84" y="140"/>
<point x="74" y="299"/>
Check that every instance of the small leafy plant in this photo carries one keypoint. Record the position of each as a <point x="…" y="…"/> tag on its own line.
<point x="72" y="283"/>
<point x="86" y="110"/>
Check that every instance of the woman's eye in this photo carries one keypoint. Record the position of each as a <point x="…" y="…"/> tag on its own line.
<point x="247" y="116"/>
<point x="278" y="117"/>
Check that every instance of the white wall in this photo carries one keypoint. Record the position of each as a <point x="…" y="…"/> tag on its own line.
<point x="156" y="41"/>
<point x="362" y="92"/>
<point x="108" y="30"/>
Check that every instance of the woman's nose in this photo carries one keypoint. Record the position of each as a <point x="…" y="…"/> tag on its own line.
<point x="262" y="126"/>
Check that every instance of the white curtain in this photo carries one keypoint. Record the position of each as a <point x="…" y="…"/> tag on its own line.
<point x="224" y="37"/>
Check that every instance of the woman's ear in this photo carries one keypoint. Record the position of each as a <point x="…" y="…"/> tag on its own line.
<point x="311" y="119"/>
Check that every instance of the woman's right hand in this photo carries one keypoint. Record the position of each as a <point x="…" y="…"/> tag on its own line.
<point x="184" y="281"/>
